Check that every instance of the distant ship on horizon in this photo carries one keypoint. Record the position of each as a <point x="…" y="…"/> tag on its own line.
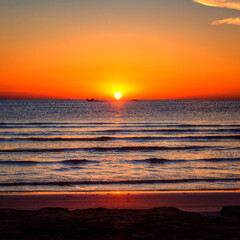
<point x="92" y="100"/>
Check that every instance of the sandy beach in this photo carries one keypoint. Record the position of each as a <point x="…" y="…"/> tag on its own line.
<point x="125" y="215"/>
<point x="202" y="202"/>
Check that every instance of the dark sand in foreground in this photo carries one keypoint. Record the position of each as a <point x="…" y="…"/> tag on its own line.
<point x="120" y="216"/>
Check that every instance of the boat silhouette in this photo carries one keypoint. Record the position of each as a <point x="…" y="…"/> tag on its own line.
<point x="92" y="100"/>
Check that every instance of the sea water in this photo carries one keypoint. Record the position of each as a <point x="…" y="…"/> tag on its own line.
<point x="76" y="145"/>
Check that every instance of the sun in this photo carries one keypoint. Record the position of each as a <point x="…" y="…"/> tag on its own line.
<point x="117" y="95"/>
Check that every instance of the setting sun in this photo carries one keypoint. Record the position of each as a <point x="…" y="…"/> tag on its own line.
<point x="117" y="95"/>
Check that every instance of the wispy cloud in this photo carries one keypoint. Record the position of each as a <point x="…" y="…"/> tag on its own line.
<point x="233" y="4"/>
<point x="235" y="21"/>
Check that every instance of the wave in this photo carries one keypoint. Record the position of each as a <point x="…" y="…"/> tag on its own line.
<point x="140" y="124"/>
<point x="39" y="150"/>
<point x="163" y="160"/>
<point x="65" y="139"/>
<point x="65" y="162"/>
<point x="76" y="161"/>
<point x="103" y="149"/>
<point x="220" y="159"/>
<point x="213" y="137"/>
<point x="156" y="160"/>
<point x="67" y="169"/>
<point x="208" y="137"/>
<point x="145" y="148"/>
<point x="145" y="130"/>
<point x="56" y="123"/>
<point x="133" y="182"/>
<point x="39" y="126"/>
<point x="125" y="127"/>
<point x="105" y="138"/>
<point x="60" y="139"/>
<point x="20" y="162"/>
<point x="205" y="125"/>
<point x="169" y="130"/>
<point x="148" y="160"/>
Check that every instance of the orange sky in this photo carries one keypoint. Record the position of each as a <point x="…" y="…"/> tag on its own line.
<point x="143" y="49"/>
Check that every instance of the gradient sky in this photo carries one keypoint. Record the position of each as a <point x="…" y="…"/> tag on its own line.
<point x="146" y="49"/>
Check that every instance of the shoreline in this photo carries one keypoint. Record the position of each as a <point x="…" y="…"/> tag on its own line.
<point x="206" y="202"/>
<point x="117" y="191"/>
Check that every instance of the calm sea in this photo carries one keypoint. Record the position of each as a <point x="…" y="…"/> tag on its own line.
<point x="75" y="145"/>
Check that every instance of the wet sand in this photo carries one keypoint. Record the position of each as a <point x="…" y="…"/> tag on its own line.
<point x="120" y="216"/>
<point x="186" y="201"/>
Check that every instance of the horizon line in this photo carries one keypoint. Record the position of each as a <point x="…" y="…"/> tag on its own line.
<point x="122" y="100"/>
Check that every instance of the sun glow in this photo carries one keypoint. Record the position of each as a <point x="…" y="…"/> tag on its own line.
<point x="117" y="95"/>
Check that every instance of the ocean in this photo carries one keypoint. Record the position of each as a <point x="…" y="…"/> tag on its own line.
<point x="145" y="145"/>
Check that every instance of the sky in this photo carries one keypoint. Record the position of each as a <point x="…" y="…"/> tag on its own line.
<point x="145" y="49"/>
